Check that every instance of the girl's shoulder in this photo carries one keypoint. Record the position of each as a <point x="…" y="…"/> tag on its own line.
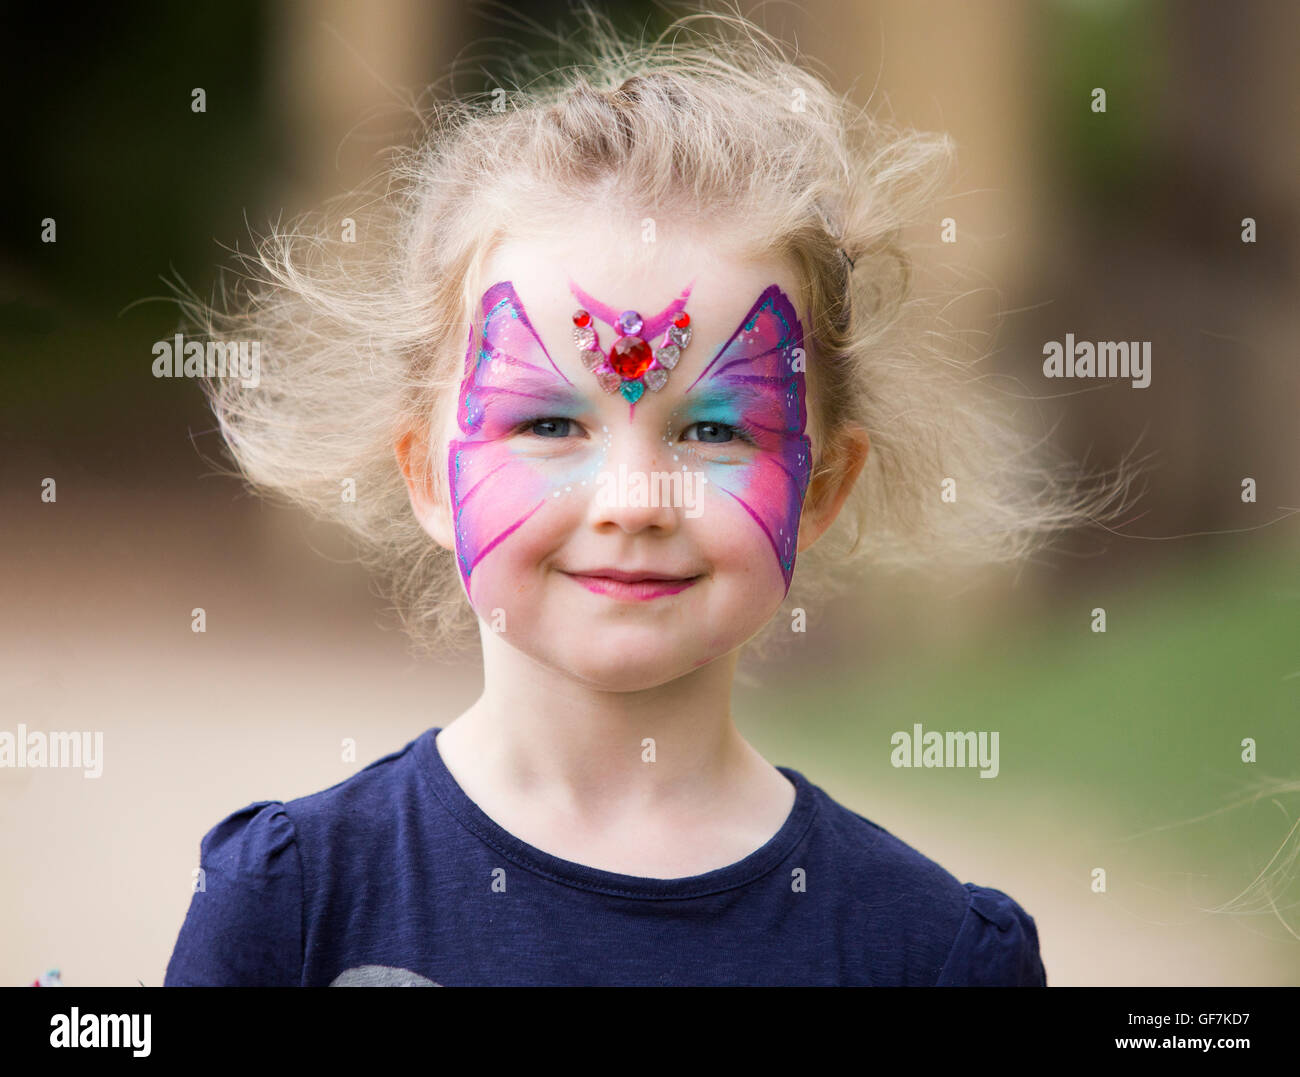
<point x="269" y="838"/>
<point x="963" y="934"/>
<point x="259" y="867"/>
<point x="996" y="945"/>
<point x="365" y="799"/>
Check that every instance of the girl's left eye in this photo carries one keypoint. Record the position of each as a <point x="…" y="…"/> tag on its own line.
<point x="715" y="433"/>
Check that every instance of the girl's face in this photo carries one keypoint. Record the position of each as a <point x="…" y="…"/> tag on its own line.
<point x="618" y="512"/>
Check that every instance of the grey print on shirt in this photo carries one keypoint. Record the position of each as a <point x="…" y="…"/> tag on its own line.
<point x="380" y="976"/>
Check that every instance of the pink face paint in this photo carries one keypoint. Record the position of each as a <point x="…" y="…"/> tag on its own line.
<point x="632" y="364"/>
<point x="755" y="383"/>
<point x="509" y="378"/>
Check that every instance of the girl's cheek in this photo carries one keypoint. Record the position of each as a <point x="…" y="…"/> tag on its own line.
<point x="769" y="488"/>
<point x="496" y="487"/>
<point x="769" y="478"/>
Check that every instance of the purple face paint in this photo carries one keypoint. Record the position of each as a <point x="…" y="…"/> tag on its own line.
<point x="756" y="384"/>
<point x="509" y="379"/>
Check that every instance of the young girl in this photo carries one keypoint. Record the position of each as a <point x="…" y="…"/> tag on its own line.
<point x="622" y="348"/>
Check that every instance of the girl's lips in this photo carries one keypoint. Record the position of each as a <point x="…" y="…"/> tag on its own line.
<point x="632" y="590"/>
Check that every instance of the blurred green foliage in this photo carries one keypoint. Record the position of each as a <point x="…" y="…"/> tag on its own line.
<point x="1135" y="730"/>
<point x="1105" y="159"/>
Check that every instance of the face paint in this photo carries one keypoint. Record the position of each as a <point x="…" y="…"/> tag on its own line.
<point x="632" y="365"/>
<point x="756" y="384"/>
<point x="509" y="378"/>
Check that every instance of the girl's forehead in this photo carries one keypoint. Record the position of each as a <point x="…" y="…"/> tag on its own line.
<point x="555" y="276"/>
<point x="742" y="353"/>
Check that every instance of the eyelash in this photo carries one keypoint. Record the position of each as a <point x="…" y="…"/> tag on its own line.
<point x="741" y="431"/>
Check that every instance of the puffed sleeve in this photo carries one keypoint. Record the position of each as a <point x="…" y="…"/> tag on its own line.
<point x="244" y="926"/>
<point x="996" y="945"/>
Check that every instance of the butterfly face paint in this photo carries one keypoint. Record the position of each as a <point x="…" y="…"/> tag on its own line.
<point x="509" y="378"/>
<point x="756" y="385"/>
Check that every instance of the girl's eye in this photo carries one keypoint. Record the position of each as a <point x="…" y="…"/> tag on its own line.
<point x="557" y="428"/>
<point x="549" y="428"/>
<point x="714" y="433"/>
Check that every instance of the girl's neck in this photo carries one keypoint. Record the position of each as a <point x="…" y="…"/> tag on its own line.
<point x="540" y="730"/>
<point x="539" y="746"/>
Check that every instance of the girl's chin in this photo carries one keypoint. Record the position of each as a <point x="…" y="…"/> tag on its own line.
<point x="609" y="670"/>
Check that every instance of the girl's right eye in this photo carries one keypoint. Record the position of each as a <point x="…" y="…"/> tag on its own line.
<point x="548" y="428"/>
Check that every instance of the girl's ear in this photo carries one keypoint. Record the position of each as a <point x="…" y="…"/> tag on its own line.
<point x="832" y="484"/>
<point x="431" y="510"/>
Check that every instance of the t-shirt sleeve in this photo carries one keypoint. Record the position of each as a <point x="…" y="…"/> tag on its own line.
<point x="996" y="945"/>
<point x="244" y="925"/>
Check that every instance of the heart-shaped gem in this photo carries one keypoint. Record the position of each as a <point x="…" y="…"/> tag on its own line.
<point x="632" y="391"/>
<point x="680" y="336"/>
<point x="655" y="379"/>
<point x="591" y="357"/>
<point x="668" y="355"/>
<point x="584" y="336"/>
<point x="609" y="381"/>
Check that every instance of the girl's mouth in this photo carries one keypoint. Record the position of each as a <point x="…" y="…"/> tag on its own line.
<point x="631" y="586"/>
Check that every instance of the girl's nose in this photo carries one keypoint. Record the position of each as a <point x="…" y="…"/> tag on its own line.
<point x="640" y="486"/>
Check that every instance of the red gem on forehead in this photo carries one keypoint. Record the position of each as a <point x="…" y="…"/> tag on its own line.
<point x="582" y="319"/>
<point x="630" y="357"/>
<point x="682" y="320"/>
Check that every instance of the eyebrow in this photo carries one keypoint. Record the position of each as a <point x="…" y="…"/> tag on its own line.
<point x="534" y="387"/>
<point x="766" y="364"/>
<point x="726" y="392"/>
<point x="502" y="297"/>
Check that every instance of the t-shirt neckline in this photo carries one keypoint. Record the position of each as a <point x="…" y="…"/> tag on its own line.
<point x="582" y="876"/>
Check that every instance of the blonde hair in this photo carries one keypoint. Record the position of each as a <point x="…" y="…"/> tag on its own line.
<point x="361" y="341"/>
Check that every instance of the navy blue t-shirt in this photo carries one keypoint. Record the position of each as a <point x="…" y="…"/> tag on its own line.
<point x="395" y="877"/>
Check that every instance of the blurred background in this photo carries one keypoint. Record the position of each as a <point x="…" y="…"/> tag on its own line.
<point x="1119" y="751"/>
